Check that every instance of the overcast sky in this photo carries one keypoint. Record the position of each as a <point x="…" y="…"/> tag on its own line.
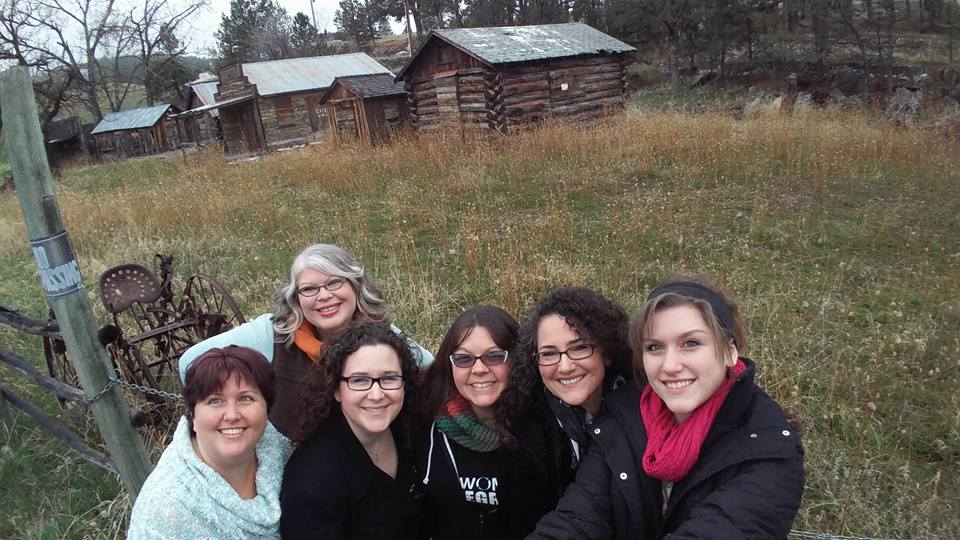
<point x="201" y="33"/>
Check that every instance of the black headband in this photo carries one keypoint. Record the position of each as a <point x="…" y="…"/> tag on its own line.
<point x="697" y="291"/>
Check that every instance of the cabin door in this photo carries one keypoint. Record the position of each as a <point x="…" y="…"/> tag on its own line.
<point x="448" y="105"/>
<point x="249" y="121"/>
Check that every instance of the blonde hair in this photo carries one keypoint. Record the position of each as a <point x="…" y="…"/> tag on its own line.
<point x="688" y="292"/>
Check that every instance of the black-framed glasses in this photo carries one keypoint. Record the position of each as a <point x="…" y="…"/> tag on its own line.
<point x="579" y="351"/>
<point x="330" y="285"/>
<point x="467" y="360"/>
<point x="362" y="382"/>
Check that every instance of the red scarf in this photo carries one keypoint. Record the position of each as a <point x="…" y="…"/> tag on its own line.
<point x="673" y="448"/>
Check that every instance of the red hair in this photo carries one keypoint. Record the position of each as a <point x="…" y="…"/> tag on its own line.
<point x="214" y="368"/>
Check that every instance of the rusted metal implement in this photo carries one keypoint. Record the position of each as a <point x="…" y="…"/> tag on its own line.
<point x="150" y="327"/>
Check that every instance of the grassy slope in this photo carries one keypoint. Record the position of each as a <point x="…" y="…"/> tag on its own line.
<point x="837" y="233"/>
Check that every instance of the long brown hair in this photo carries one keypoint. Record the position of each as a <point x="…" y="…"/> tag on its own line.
<point x="438" y="386"/>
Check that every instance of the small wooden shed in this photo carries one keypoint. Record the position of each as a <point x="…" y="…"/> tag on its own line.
<point x="268" y="105"/>
<point x="147" y="130"/>
<point x="497" y="78"/>
<point x="365" y="107"/>
<point x="67" y="138"/>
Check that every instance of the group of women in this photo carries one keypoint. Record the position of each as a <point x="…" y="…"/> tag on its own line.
<point x="323" y="420"/>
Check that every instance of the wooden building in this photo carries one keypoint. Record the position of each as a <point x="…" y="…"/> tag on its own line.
<point x="67" y="139"/>
<point x="269" y="105"/>
<point x="497" y="78"/>
<point x="148" y="130"/>
<point x="200" y="123"/>
<point x="365" y="107"/>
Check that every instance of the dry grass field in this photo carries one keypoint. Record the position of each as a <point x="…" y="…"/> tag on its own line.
<point x="837" y="232"/>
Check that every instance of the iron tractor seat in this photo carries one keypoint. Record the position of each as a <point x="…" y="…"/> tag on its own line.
<point x="119" y="287"/>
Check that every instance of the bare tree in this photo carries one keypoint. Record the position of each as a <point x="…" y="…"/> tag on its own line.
<point x="86" y="45"/>
<point x="154" y="26"/>
<point x="52" y="83"/>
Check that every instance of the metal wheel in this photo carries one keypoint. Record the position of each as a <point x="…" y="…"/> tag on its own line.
<point x="207" y="301"/>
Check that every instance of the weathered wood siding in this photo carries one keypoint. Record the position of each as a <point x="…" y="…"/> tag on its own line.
<point x="240" y="123"/>
<point x="291" y="119"/>
<point x="446" y="89"/>
<point x="454" y="90"/>
<point x="202" y="127"/>
<point x="137" y="142"/>
<point x="373" y="120"/>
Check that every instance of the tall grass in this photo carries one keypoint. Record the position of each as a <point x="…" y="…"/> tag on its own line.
<point x="836" y="231"/>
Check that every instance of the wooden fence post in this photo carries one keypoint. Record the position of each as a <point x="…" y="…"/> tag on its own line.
<point x="60" y="275"/>
<point x="6" y="419"/>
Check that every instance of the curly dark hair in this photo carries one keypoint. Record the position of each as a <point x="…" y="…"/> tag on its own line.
<point x="591" y="316"/>
<point x="438" y="378"/>
<point x="317" y="400"/>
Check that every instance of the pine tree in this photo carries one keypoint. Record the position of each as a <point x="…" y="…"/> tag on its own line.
<point x="255" y="30"/>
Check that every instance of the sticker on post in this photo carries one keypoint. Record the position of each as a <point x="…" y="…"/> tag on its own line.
<point x="57" y="265"/>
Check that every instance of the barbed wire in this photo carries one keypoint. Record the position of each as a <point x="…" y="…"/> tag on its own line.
<point x="826" y="536"/>
<point x="169" y="396"/>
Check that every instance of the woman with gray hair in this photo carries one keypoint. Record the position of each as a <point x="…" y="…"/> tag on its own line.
<point x="327" y="291"/>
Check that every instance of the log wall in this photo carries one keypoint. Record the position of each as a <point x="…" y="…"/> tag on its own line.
<point x="457" y="91"/>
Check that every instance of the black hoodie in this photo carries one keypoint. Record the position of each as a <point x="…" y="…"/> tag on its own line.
<point x="500" y="494"/>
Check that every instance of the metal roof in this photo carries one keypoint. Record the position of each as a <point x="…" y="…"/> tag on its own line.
<point x="313" y="73"/>
<point x="215" y="105"/>
<point x="205" y="91"/>
<point x="132" y="119"/>
<point x="512" y="44"/>
<point x="369" y="86"/>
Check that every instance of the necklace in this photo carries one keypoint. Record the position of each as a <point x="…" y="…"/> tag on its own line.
<point x="380" y="448"/>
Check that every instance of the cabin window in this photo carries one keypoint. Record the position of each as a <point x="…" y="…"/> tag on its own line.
<point x="283" y="106"/>
<point x="446" y="54"/>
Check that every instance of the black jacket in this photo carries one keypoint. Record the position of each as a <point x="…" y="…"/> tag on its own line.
<point x="332" y="490"/>
<point x="573" y="419"/>
<point x="747" y="482"/>
<point x="498" y="495"/>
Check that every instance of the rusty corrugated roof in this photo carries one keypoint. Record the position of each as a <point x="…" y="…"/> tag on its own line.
<point x="313" y="73"/>
<point x="133" y="119"/>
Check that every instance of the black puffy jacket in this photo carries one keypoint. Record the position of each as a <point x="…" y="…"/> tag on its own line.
<point x="747" y="482"/>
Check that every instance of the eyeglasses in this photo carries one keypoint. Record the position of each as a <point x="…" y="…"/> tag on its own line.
<point x="467" y="360"/>
<point x="331" y="285"/>
<point x="362" y="382"/>
<point x="579" y="351"/>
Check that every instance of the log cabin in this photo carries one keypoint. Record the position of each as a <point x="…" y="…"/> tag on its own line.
<point x="498" y="78"/>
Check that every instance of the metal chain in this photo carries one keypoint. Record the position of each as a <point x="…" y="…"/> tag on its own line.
<point x="825" y="536"/>
<point x="169" y="396"/>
